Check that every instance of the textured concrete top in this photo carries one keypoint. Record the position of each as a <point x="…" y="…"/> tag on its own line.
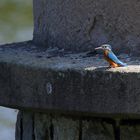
<point x="53" y="80"/>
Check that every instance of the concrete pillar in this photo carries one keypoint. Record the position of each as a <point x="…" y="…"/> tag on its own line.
<point x="79" y="25"/>
<point x="69" y="97"/>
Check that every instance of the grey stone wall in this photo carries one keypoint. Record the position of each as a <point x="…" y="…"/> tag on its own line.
<point x="76" y="24"/>
<point x="41" y="126"/>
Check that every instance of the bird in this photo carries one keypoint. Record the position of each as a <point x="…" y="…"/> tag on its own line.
<point x="110" y="57"/>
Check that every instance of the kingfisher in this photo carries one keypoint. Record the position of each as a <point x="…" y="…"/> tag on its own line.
<point x="110" y="57"/>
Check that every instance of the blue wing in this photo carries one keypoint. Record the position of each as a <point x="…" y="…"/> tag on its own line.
<point x="114" y="58"/>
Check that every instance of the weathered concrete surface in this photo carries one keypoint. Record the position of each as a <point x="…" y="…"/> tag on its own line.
<point x="55" y="128"/>
<point x="65" y="129"/>
<point x="43" y="129"/>
<point x="18" y="133"/>
<point x="25" y="126"/>
<point x="38" y="79"/>
<point x="46" y="126"/>
<point x="130" y="130"/>
<point x="38" y="126"/>
<point x="75" y="25"/>
<point x="97" y="130"/>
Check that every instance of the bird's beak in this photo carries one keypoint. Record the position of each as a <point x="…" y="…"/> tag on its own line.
<point x="99" y="48"/>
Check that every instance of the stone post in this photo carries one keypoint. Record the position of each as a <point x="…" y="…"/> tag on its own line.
<point x="60" y="93"/>
<point x="83" y="24"/>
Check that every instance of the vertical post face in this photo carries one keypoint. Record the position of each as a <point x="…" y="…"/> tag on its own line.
<point x="44" y="126"/>
<point x="97" y="130"/>
<point x="25" y="126"/>
<point x="74" y="25"/>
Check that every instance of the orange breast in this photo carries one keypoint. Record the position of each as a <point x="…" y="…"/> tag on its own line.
<point x="112" y="63"/>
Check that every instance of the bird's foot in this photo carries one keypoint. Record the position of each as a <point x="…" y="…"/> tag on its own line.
<point x="112" y="66"/>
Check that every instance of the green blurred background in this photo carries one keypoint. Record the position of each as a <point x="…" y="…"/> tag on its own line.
<point x="16" y="20"/>
<point x="16" y="24"/>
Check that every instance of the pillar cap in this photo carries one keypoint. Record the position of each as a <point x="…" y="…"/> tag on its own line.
<point x="33" y="78"/>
